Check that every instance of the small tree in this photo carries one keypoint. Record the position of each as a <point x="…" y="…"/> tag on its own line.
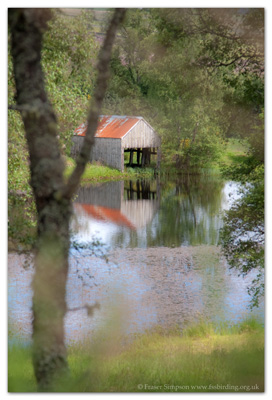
<point x="52" y="195"/>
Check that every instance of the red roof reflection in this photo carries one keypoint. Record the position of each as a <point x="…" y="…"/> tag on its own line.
<point x="110" y="126"/>
<point x="105" y="214"/>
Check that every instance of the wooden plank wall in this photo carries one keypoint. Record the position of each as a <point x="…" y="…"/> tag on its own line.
<point x="105" y="150"/>
<point x="108" y="152"/>
<point x="139" y="212"/>
<point x="141" y="136"/>
<point x="77" y="143"/>
<point x="108" y="195"/>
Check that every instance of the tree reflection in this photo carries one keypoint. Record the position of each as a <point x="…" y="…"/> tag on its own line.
<point x="189" y="214"/>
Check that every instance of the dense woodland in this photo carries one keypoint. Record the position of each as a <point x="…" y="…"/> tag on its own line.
<point x="196" y="75"/>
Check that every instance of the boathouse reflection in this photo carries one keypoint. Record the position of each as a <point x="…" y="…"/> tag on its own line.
<point x="130" y="204"/>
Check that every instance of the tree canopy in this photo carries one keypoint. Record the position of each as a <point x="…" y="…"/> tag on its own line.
<point x="196" y="74"/>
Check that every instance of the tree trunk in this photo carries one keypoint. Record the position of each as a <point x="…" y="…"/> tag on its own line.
<point x="187" y="160"/>
<point x="52" y="195"/>
<point x="49" y="292"/>
<point x="46" y="170"/>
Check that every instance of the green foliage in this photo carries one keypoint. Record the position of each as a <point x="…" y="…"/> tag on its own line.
<point x="206" y="329"/>
<point x="94" y="172"/>
<point x="248" y="89"/>
<point x="256" y="139"/>
<point x="18" y="171"/>
<point x="235" y="154"/>
<point x="242" y="236"/>
<point x="170" y="25"/>
<point x="21" y="207"/>
<point x="197" y="360"/>
<point x="240" y="168"/>
<point x="21" y="222"/>
<point x="243" y="103"/>
<point x="69" y="52"/>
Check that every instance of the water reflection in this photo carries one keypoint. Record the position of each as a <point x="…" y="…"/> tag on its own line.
<point x="164" y="266"/>
<point x="115" y="209"/>
<point x="140" y="288"/>
<point x="152" y="213"/>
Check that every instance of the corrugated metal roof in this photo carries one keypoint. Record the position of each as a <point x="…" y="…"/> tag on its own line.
<point x="110" y="126"/>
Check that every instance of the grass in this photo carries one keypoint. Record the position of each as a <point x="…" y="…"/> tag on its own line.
<point x="235" y="151"/>
<point x="204" y="358"/>
<point x="96" y="172"/>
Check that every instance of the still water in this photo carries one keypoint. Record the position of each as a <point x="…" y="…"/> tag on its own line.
<point x="146" y="214"/>
<point x="147" y="252"/>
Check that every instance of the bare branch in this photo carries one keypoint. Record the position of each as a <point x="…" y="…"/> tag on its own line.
<point x="90" y="309"/>
<point x="100" y="90"/>
<point x="207" y="25"/>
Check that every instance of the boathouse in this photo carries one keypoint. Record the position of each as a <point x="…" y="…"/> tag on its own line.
<point x="117" y="135"/>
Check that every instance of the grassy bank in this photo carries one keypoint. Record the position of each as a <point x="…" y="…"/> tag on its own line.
<point x="96" y="172"/>
<point x="235" y="151"/>
<point x="204" y="358"/>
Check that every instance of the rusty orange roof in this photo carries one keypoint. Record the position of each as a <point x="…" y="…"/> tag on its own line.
<point x="105" y="214"/>
<point x="110" y="126"/>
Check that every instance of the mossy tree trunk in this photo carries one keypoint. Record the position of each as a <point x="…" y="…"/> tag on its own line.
<point x="52" y="195"/>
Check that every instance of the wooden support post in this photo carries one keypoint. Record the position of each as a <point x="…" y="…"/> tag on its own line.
<point x="138" y="190"/>
<point x="143" y="157"/>
<point x="138" y="157"/>
<point x="148" y="157"/>
<point x="131" y="157"/>
<point x="130" y="191"/>
<point x="158" y="157"/>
